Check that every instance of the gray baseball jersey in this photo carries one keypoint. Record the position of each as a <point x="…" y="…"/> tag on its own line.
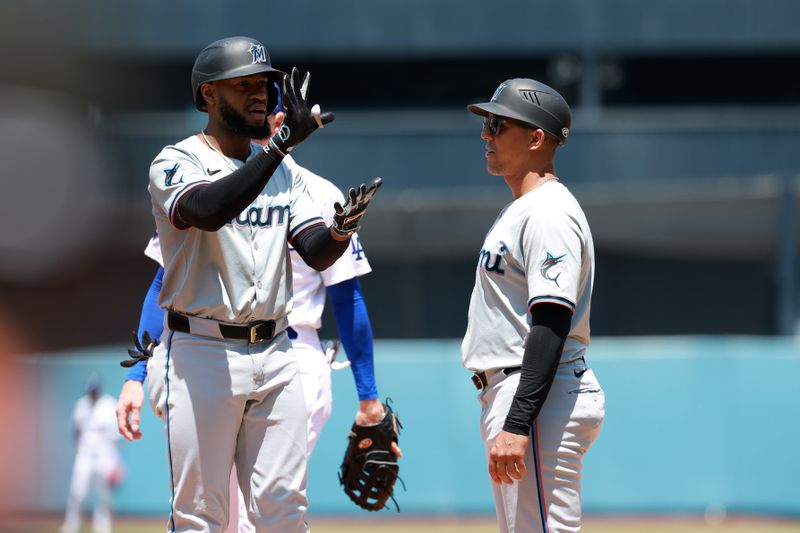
<point x="538" y="250"/>
<point x="251" y="277"/>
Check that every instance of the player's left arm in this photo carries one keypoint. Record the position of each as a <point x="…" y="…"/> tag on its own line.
<point x="355" y="332"/>
<point x="550" y="325"/>
<point x="551" y="247"/>
<point x="151" y="321"/>
<point x="551" y="250"/>
<point x="76" y="421"/>
<point x="318" y="245"/>
<point x="131" y="396"/>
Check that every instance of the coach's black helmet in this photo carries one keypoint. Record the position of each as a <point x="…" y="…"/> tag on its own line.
<point x="532" y="102"/>
<point x="231" y="58"/>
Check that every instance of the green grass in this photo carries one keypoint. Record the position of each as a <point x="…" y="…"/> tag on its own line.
<point x="384" y="524"/>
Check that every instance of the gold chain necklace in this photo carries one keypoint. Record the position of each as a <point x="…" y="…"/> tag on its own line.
<point x="223" y="156"/>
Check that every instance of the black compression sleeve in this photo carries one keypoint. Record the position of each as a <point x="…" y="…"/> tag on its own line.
<point x="209" y="207"/>
<point x="317" y="248"/>
<point x="543" y="347"/>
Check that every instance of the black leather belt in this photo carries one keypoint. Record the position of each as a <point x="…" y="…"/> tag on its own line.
<point x="480" y="381"/>
<point x="254" y="332"/>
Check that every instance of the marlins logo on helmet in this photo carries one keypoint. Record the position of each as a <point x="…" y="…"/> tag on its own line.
<point x="497" y="92"/>
<point x="259" y="53"/>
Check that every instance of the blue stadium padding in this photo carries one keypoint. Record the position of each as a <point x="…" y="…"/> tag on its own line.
<point x="692" y="423"/>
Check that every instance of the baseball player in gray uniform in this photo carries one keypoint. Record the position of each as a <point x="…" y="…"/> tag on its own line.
<point x="528" y="329"/>
<point x="223" y="377"/>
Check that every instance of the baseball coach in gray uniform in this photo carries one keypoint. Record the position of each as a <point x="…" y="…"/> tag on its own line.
<point x="223" y="378"/>
<point x="528" y="328"/>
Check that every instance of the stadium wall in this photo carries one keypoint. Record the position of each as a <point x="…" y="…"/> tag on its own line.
<point x="693" y="424"/>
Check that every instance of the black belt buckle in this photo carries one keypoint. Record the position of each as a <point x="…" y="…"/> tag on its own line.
<point x="262" y="331"/>
<point x="479" y="380"/>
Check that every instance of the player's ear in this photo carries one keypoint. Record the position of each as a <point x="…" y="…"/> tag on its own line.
<point x="536" y="137"/>
<point x="207" y="93"/>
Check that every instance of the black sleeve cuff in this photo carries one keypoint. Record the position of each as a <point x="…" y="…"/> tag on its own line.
<point x="317" y="248"/>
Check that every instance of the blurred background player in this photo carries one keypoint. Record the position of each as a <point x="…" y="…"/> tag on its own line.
<point x="97" y="459"/>
<point x="340" y="282"/>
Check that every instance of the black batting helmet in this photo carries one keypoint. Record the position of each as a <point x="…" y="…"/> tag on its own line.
<point x="532" y="102"/>
<point x="231" y="58"/>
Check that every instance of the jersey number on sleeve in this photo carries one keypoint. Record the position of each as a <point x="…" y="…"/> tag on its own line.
<point x="356" y="249"/>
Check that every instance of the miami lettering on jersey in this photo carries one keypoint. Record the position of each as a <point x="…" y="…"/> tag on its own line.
<point x="260" y="217"/>
<point x="486" y="262"/>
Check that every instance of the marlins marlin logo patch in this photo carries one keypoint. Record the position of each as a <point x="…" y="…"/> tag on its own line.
<point x="549" y="267"/>
<point x="169" y="176"/>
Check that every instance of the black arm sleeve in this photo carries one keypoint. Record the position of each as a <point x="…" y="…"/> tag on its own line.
<point x="543" y="347"/>
<point x="317" y="248"/>
<point x="209" y="207"/>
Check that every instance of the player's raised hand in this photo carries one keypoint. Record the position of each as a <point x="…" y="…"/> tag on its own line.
<point x="347" y="217"/>
<point x="129" y="408"/>
<point x="301" y="121"/>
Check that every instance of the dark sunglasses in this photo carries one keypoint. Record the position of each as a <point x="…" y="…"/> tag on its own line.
<point x="494" y="124"/>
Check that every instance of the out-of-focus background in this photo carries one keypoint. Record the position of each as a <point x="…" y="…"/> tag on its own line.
<point x="684" y="152"/>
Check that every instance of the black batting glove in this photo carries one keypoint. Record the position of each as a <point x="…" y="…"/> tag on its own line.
<point x="346" y="218"/>
<point x="143" y="351"/>
<point x="300" y="121"/>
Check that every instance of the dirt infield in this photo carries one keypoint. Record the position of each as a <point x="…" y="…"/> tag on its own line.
<point x="591" y="525"/>
<point x="384" y="523"/>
